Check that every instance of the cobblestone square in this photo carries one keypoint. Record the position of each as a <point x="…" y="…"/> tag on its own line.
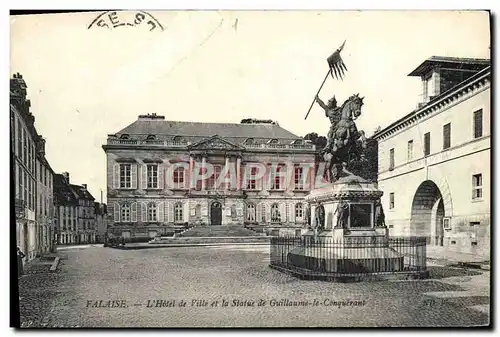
<point x="232" y="286"/>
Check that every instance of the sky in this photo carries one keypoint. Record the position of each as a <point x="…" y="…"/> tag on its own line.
<point x="223" y="66"/>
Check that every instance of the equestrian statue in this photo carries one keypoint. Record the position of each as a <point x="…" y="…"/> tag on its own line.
<point x="344" y="142"/>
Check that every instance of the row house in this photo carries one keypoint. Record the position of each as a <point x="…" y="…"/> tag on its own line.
<point x="163" y="174"/>
<point x="32" y="176"/>
<point x="75" y="219"/>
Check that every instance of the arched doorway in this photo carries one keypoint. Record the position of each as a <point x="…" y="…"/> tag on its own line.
<point x="427" y="213"/>
<point x="216" y="213"/>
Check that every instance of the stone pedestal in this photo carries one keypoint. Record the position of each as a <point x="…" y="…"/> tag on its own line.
<point x="348" y="241"/>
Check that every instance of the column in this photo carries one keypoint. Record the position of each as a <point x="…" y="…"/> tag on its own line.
<point x="238" y="173"/>
<point x="226" y="169"/>
<point x="191" y="172"/>
<point x="313" y="176"/>
<point x="203" y="162"/>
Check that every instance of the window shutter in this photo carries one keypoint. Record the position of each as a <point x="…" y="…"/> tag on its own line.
<point x="283" y="212"/>
<point x="116" y="176"/>
<point x="291" y="212"/>
<point x="161" y="179"/>
<point x="161" y="212"/>
<point x="144" y="177"/>
<point x="144" y="212"/>
<point x="116" y="212"/>
<point x="171" y="212"/>
<point x="186" y="211"/>
<point x="259" y="213"/>
<point x="133" y="176"/>
<point x="133" y="212"/>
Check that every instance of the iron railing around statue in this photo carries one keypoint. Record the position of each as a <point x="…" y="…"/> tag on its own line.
<point x="352" y="258"/>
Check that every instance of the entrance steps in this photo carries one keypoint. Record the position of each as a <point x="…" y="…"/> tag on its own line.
<point x="218" y="231"/>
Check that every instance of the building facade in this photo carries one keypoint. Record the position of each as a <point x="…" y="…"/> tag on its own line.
<point x="45" y="200"/>
<point x="75" y="218"/>
<point x="434" y="163"/>
<point x="23" y="155"/>
<point x="163" y="174"/>
<point x="101" y="214"/>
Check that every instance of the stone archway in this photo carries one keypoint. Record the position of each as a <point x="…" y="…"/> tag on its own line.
<point x="427" y="213"/>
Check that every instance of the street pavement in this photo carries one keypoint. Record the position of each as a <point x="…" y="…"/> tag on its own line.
<point x="222" y="286"/>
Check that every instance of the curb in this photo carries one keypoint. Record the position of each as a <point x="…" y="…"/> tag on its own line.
<point x="192" y="245"/>
<point x="54" y="265"/>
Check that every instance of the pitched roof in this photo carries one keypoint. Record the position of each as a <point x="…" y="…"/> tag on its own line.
<point x="63" y="193"/>
<point x="225" y="130"/>
<point x="82" y="192"/>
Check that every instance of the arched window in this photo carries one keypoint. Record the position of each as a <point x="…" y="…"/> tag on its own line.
<point x="124" y="136"/>
<point x="275" y="213"/>
<point x="152" y="212"/>
<point x="251" y="213"/>
<point x="249" y="141"/>
<point x="178" y="213"/>
<point x="299" y="210"/>
<point x="151" y="137"/>
<point x="177" y="139"/>
<point x="125" y="212"/>
<point x="273" y="141"/>
<point x="197" y="211"/>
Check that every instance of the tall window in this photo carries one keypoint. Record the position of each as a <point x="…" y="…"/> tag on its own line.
<point x="391" y="200"/>
<point x="275" y="213"/>
<point x="478" y="123"/>
<point x="299" y="178"/>
<point x="427" y="144"/>
<point x="152" y="212"/>
<point x="263" y="213"/>
<point x="391" y="159"/>
<point x="152" y="172"/>
<point x="410" y="150"/>
<point x="251" y="213"/>
<point x="251" y="181"/>
<point x="178" y="214"/>
<point x="212" y="180"/>
<point x="125" y="213"/>
<point x="179" y="176"/>
<point x="275" y="177"/>
<point x="446" y="136"/>
<point x="477" y="186"/>
<point x="20" y="132"/>
<point x="197" y="211"/>
<point x="25" y="149"/>
<point x="125" y="176"/>
<point x="299" y="210"/>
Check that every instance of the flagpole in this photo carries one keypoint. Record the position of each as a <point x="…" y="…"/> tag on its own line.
<point x="314" y="100"/>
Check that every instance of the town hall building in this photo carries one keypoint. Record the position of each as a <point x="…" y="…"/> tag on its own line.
<point x="164" y="174"/>
<point x="434" y="163"/>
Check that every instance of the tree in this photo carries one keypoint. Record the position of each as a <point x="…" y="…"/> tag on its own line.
<point x="367" y="166"/>
<point x="319" y="141"/>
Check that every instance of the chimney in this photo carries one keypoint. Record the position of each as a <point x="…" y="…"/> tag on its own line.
<point x="84" y="186"/>
<point x="66" y="176"/>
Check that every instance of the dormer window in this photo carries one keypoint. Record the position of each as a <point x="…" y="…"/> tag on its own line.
<point x="124" y="136"/>
<point x="151" y="137"/>
<point x="273" y="141"/>
<point x="249" y="141"/>
<point x="177" y="139"/>
<point x="298" y="142"/>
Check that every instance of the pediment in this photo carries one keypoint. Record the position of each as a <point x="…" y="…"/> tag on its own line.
<point x="214" y="143"/>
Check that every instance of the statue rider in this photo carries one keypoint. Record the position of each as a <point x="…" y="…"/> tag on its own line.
<point x="332" y="111"/>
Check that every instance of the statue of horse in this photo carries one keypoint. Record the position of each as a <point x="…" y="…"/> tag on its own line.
<point x="347" y="142"/>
